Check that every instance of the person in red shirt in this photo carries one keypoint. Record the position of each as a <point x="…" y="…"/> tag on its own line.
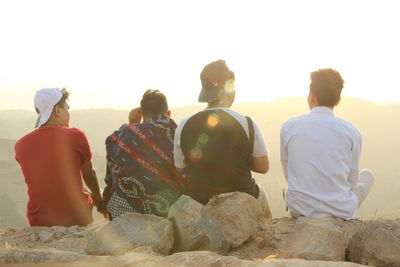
<point x="54" y="159"/>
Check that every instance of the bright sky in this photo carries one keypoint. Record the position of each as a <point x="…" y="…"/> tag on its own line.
<point x="107" y="53"/>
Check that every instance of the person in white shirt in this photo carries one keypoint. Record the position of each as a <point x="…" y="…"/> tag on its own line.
<point x="320" y="156"/>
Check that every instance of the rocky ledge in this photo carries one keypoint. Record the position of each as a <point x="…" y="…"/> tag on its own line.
<point x="221" y="233"/>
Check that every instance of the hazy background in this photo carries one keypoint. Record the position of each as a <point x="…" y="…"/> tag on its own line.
<point x="108" y="52"/>
<point x="377" y="123"/>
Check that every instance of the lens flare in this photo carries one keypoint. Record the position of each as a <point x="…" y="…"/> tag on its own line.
<point x="195" y="155"/>
<point x="212" y="120"/>
<point x="229" y="87"/>
<point x="203" y="139"/>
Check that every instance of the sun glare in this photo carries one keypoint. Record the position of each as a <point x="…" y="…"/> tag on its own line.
<point x="107" y="54"/>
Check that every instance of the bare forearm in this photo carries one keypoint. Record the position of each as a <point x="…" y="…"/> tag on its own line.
<point x="260" y="164"/>
<point x="92" y="183"/>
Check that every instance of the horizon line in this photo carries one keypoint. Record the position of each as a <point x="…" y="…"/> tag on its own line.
<point x="203" y="104"/>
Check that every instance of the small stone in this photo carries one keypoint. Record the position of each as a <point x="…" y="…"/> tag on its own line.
<point x="45" y="236"/>
<point x="58" y="235"/>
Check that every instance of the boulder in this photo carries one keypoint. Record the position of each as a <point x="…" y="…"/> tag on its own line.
<point x="226" y="222"/>
<point x="376" y="244"/>
<point x="314" y="239"/>
<point x="368" y="242"/>
<point x="236" y="214"/>
<point x="130" y="231"/>
<point x="185" y="214"/>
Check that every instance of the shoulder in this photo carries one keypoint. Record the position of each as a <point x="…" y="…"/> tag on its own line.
<point x="239" y="117"/>
<point x="348" y="126"/>
<point x="24" y="139"/>
<point x="122" y="129"/>
<point x="188" y="118"/>
<point x="76" y="133"/>
<point x="294" y="121"/>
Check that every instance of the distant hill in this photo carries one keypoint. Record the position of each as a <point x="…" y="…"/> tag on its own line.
<point x="379" y="125"/>
<point x="12" y="190"/>
<point x="6" y="149"/>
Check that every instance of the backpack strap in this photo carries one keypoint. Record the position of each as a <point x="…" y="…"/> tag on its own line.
<point x="256" y="189"/>
<point x="251" y="134"/>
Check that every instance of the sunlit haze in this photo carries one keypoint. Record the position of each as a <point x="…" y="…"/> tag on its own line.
<point x="107" y="53"/>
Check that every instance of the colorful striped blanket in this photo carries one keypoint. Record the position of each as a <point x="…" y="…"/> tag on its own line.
<point x="141" y="176"/>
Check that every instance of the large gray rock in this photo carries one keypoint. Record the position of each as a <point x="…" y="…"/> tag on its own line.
<point x="236" y="214"/>
<point x="314" y="239"/>
<point x="130" y="231"/>
<point x="226" y="222"/>
<point x="376" y="244"/>
<point x="186" y="214"/>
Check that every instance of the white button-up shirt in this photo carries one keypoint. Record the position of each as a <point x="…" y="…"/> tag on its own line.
<point x="320" y="156"/>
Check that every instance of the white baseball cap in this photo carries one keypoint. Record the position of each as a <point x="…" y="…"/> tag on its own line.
<point x="45" y="100"/>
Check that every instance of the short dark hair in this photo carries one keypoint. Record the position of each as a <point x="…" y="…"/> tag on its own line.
<point x="326" y="85"/>
<point x="64" y="98"/>
<point x="153" y="103"/>
<point x="215" y="74"/>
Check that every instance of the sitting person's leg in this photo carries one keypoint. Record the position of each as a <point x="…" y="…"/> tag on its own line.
<point x="364" y="186"/>
<point x="262" y="200"/>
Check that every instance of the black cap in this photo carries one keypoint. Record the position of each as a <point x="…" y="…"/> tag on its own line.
<point x="213" y="78"/>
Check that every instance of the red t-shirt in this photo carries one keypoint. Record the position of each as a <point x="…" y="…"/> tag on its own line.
<point x="51" y="158"/>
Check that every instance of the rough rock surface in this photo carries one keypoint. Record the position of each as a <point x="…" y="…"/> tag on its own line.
<point x="130" y="231"/>
<point x="14" y="256"/>
<point x="193" y="259"/>
<point x="315" y="240"/>
<point x="227" y="221"/>
<point x="185" y="214"/>
<point x="237" y="214"/>
<point x="376" y="244"/>
<point x="45" y="236"/>
<point x="366" y="242"/>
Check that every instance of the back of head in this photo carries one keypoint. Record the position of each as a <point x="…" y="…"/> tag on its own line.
<point x="153" y="103"/>
<point x="213" y="78"/>
<point x="326" y="85"/>
<point x="45" y="100"/>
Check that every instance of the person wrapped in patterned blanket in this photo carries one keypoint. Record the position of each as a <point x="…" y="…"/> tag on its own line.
<point x="141" y="176"/>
